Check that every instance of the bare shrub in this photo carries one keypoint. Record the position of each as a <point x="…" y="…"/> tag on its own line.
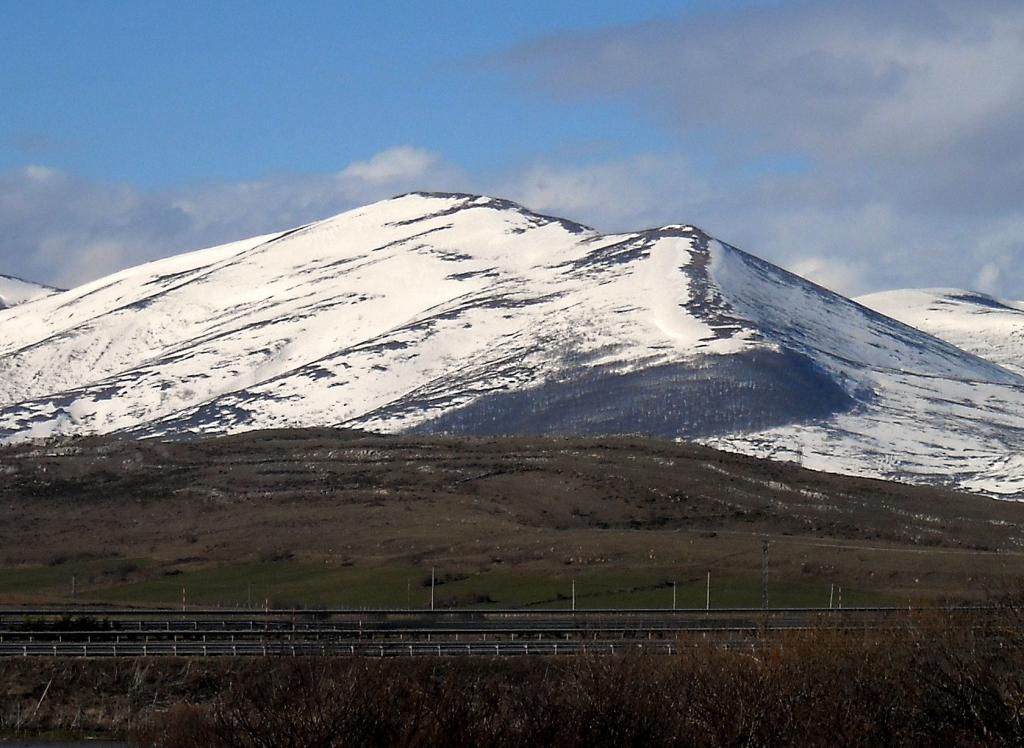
<point x="925" y="682"/>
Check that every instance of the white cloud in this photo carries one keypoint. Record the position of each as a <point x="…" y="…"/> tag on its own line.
<point x="844" y="277"/>
<point x="842" y="82"/>
<point x="909" y="119"/>
<point x="37" y="173"/>
<point x="988" y="277"/>
<point x="395" y="164"/>
<point x="618" y="194"/>
<point x="64" y="230"/>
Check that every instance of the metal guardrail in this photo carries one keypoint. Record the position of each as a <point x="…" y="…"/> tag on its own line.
<point x="417" y="649"/>
<point x="442" y="612"/>
<point x="151" y="632"/>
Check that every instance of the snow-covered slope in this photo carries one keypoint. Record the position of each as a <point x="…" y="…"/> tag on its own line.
<point x="471" y="314"/>
<point x="981" y="324"/>
<point x="14" y="291"/>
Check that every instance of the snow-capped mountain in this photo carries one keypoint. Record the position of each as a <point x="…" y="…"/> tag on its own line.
<point x="14" y="291"/>
<point x="976" y="322"/>
<point x="467" y="314"/>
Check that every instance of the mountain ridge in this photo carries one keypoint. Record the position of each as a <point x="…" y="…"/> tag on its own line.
<point x="465" y="313"/>
<point x="14" y="291"/>
<point x="977" y="322"/>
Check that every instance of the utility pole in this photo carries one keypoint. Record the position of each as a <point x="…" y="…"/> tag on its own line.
<point x="74" y="586"/>
<point x="764" y="574"/>
<point x="574" y="594"/>
<point x="673" y="595"/>
<point x="831" y="594"/>
<point x="431" y="587"/>
<point x="707" y="593"/>
<point x="183" y="598"/>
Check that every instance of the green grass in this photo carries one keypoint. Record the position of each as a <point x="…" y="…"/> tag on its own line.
<point x="57" y="578"/>
<point x="649" y="588"/>
<point x="310" y="584"/>
<point x="282" y="583"/>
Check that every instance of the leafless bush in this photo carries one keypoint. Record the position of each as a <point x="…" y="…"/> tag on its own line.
<point x="932" y="683"/>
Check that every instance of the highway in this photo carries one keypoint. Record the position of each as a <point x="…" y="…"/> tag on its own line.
<point x="135" y="632"/>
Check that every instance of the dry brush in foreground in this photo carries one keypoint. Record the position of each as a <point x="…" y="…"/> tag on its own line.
<point x="930" y="685"/>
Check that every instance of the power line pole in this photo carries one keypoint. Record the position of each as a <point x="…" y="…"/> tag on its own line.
<point x="707" y="593"/>
<point x="574" y="594"/>
<point x="764" y="574"/>
<point x="673" y="595"/>
<point x="431" y="587"/>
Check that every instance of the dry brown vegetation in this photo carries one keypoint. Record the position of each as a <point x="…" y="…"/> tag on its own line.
<point x="934" y="683"/>
<point x="930" y="686"/>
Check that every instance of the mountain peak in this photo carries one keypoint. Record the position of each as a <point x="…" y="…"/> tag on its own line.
<point x="454" y="202"/>
<point x="472" y="314"/>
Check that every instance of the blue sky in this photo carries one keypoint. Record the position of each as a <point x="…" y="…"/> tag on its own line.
<point x="160" y="93"/>
<point x="861" y="144"/>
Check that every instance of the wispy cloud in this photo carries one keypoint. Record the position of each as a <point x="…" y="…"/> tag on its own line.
<point x="395" y="164"/>
<point x="61" y="229"/>
<point x="909" y="117"/>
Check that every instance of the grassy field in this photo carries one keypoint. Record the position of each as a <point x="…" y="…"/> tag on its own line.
<point x="321" y="518"/>
<point x="305" y="583"/>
